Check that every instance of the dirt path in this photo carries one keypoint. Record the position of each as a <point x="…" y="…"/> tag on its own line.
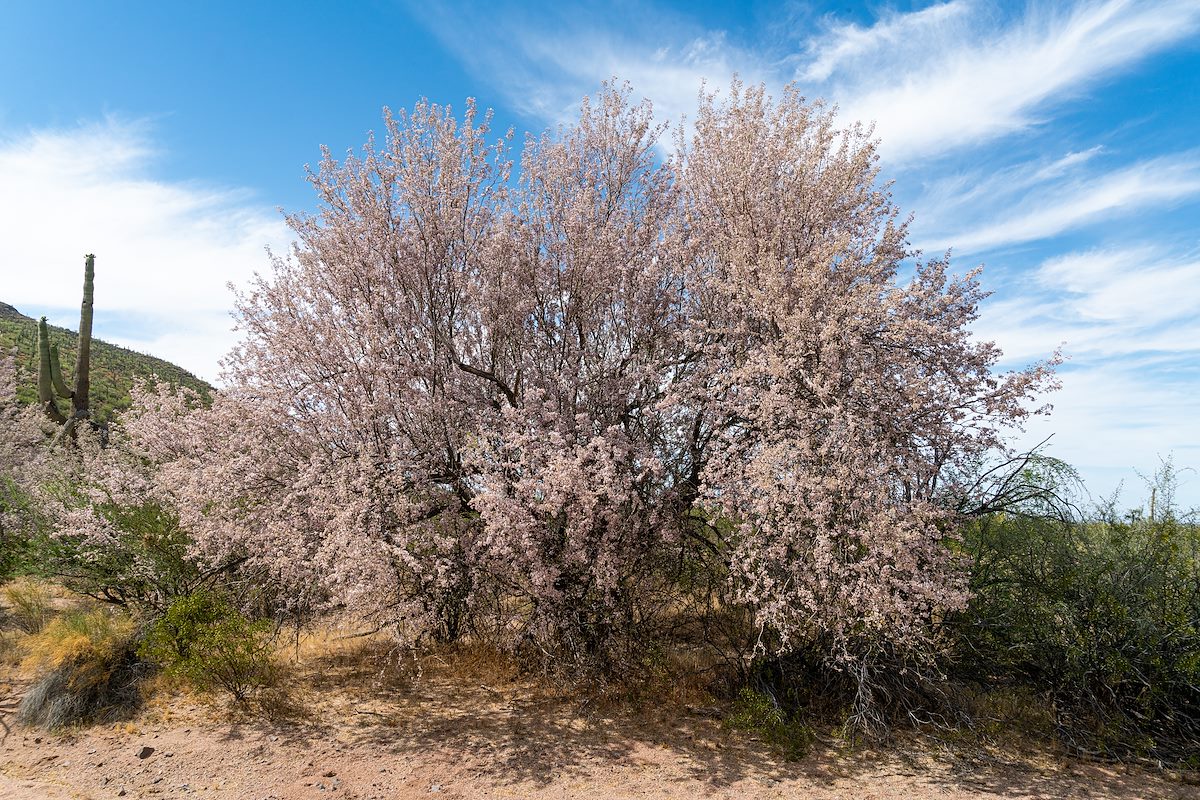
<point x="437" y="741"/>
<point x="348" y="725"/>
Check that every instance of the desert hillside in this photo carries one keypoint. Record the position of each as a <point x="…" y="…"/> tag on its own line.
<point x="114" y="368"/>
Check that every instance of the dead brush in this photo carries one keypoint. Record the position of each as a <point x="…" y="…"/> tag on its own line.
<point x="88" y="667"/>
<point x="329" y="658"/>
<point x="12" y="649"/>
<point x="471" y="664"/>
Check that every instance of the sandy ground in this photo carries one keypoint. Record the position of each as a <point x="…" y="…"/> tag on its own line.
<point x="350" y="732"/>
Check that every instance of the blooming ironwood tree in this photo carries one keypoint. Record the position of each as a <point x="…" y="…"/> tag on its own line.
<point x="469" y="400"/>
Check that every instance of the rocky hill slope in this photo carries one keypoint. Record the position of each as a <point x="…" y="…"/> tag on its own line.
<point x="114" y="368"/>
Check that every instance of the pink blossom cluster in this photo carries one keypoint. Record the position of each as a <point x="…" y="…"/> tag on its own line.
<point x="24" y="461"/>
<point x="469" y="400"/>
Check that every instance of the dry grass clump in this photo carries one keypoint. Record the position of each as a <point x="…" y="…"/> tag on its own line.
<point x="327" y="657"/>
<point x="12" y="649"/>
<point x="90" y="670"/>
<point x="29" y="606"/>
<point x="26" y="607"/>
<point x="334" y="663"/>
<point x="472" y="663"/>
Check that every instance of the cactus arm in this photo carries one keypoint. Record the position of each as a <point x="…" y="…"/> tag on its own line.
<point x="56" y="378"/>
<point x="50" y="379"/>
<point x="45" y="375"/>
<point x="43" y="349"/>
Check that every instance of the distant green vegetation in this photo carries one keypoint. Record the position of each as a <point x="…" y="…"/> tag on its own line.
<point x="114" y="369"/>
<point x="1099" y="615"/>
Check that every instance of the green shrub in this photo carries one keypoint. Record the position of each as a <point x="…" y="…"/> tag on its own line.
<point x="209" y="643"/>
<point x="145" y="566"/>
<point x="29" y="605"/>
<point x="1102" y="617"/>
<point x="89" y="670"/>
<point x="759" y="713"/>
<point x="20" y="522"/>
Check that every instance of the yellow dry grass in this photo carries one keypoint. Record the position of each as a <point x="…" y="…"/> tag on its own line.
<point x="89" y="635"/>
<point x="28" y="605"/>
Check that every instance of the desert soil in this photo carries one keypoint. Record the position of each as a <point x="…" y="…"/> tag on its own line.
<point x="348" y="731"/>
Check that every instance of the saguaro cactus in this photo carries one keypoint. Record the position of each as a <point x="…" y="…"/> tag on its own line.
<point x="50" y="380"/>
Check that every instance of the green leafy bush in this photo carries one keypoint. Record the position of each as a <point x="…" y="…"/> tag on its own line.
<point x="1102" y="616"/>
<point x="204" y="639"/>
<point x="21" y="521"/>
<point x="759" y="713"/>
<point x="142" y="562"/>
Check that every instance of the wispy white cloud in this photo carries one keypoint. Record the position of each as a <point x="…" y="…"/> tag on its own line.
<point x="845" y="47"/>
<point x="1102" y="304"/>
<point x="1047" y="201"/>
<point x="961" y="74"/>
<point x="1126" y="320"/>
<point x="544" y="63"/>
<point x="165" y="250"/>
<point x="1112" y="419"/>
<point x="671" y="76"/>
<point x="947" y="76"/>
<point x="952" y="201"/>
<point x="1131" y="287"/>
<point x="1061" y="166"/>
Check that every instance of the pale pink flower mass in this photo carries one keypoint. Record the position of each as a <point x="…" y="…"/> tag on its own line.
<point x="472" y="400"/>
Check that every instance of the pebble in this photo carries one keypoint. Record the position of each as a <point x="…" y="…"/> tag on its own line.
<point x="145" y="752"/>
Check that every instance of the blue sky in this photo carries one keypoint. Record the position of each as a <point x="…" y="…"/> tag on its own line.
<point x="1057" y="143"/>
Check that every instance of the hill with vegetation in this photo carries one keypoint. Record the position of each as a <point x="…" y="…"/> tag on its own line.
<point x="114" y="368"/>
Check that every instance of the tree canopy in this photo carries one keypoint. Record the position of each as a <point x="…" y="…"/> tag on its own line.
<point x="543" y="401"/>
